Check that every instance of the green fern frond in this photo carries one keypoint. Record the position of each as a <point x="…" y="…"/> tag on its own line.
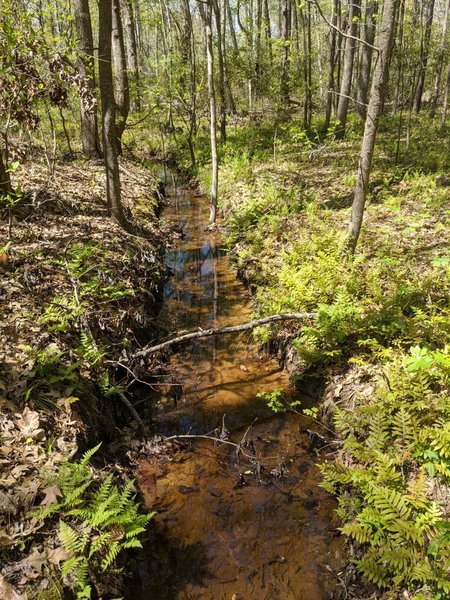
<point x="86" y="458"/>
<point x="111" y="555"/>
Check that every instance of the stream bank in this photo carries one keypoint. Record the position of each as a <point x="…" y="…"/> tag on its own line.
<point x="380" y="344"/>
<point x="250" y="524"/>
<point x="76" y="294"/>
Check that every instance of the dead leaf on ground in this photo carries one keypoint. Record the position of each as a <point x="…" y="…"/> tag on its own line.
<point x="57" y="555"/>
<point x="28" y="424"/>
<point x="37" y="559"/>
<point x="51" y="495"/>
<point x="7" y="592"/>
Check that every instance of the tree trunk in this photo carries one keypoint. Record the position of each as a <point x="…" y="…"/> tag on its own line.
<point x="5" y="179"/>
<point x="347" y="71"/>
<point x="131" y="50"/>
<point x="85" y="65"/>
<point x="424" y="54"/>
<point x="122" y="88"/>
<point x="285" y="32"/>
<point x="379" y="82"/>
<point x="109" y="114"/>
<point x="268" y="29"/>
<point x="366" y="58"/>
<point x="441" y="60"/>
<point x="446" y="96"/>
<point x="332" y="64"/>
<point x="220" y="57"/>
<point x="400" y="50"/>
<point x="206" y="14"/>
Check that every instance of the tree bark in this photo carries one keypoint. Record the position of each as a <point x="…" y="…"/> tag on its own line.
<point x="122" y="88"/>
<point x="181" y="339"/>
<point x="446" y="97"/>
<point x="332" y="65"/>
<point x="109" y="114"/>
<point x="424" y="54"/>
<point x="347" y="71"/>
<point x="85" y="64"/>
<point x="441" y="60"/>
<point x="221" y="65"/>
<point x="377" y="92"/>
<point x="131" y="51"/>
<point x="5" y="179"/>
<point x="366" y="58"/>
<point x="400" y="50"/>
<point x="285" y="33"/>
<point x="206" y="14"/>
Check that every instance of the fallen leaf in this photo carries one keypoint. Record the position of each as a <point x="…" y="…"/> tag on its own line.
<point x="37" y="559"/>
<point x="7" y="592"/>
<point x="51" y="495"/>
<point x="7" y="504"/>
<point x="28" y="424"/>
<point x="57" y="555"/>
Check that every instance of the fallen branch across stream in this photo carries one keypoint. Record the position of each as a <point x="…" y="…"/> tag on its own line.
<point x="181" y="339"/>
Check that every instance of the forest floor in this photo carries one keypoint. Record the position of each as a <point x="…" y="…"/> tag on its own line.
<point x="77" y="294"/>
<point x="379" y="354"/>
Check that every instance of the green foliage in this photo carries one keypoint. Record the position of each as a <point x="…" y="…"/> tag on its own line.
<point x="97" y="521"/>
<point x="278" y="402"/>
<point x="49" y="373"/>
<point x="397" y="442"/>
<point x="91" y="280"/>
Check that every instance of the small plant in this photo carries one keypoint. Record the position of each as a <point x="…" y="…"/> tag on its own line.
<point x="277" y="402"/>
<point x="97" y="521"/>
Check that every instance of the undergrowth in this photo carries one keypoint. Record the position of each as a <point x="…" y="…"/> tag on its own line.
<point x="97" y="521"/>
<point x="394" y="461"/>
<point x="286" y="199"/>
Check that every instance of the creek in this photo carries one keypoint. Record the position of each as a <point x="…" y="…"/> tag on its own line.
<point x="228" y="528"/>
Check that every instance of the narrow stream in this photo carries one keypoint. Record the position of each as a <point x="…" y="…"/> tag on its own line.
<point x="227" y="528"/>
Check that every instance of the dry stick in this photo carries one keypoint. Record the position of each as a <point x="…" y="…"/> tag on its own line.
<point x="223" y="330"/>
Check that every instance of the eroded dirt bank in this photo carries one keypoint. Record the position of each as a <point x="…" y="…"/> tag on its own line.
<point x="76" y="295"/>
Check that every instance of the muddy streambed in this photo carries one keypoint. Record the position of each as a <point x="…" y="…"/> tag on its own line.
<point x="228" y="528"/>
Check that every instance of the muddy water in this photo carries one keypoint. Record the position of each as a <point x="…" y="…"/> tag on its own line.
<point x="229" y="527"/>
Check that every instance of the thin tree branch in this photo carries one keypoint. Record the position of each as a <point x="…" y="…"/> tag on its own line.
<point x="223" y="330"/>
<point x="346" y="35"/>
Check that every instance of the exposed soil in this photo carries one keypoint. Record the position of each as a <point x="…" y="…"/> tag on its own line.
<point x="66" y="269"/>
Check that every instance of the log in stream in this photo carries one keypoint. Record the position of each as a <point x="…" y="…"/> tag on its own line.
<point x="193" y="335"/>
<point x="249" y="524"/>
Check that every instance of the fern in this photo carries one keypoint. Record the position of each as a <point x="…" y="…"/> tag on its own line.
<point x="97" y="522"/>
<point x="397" y="441"/>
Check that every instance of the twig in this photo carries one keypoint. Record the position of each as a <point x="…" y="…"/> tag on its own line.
<point x="347" y="35"/>
<point x="222" y="331"/>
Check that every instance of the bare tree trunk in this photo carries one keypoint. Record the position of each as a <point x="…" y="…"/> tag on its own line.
<point x="122" y="88"/>
<point x="109" y="114"/>
<point x="347" y="72"/>
<point x="268" y="29"/>
<point x="285" y="33"/>
<point x="377" y="92"/>
<point x="332" y="65"/>
<point x="220" y="59"/>
<point x="85" y="64"/>
<point x="366" y="58"/>
<point x="5" y="179"/>
<point x="307" y="66"/>
<point x="206" y="14"/>
<point x="399" y="71"/>
<point x="441" y="60"/>
<point x="424" y="54"/>
<point x="131" y="50"/>
<point x="446" y="96"/>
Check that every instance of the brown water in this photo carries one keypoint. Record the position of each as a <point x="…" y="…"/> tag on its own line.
<point x="226" y="526"/>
